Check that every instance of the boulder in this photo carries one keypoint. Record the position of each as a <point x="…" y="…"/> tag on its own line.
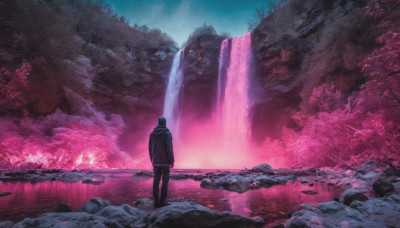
<point x="330" y="207"/>
<point x="366" y="167"/>
<point x="92" y="182"/>
<point x="145" y="173"/>
<point x="61" y="208"/>
<point x="94" y="205"/>
<point x="263" y="168"/>
<point x="190" y="214"/>
<point x="125" y="215"/>
<point x="353" y="183"/>
<point x="180" y="176"/>
<point x="234" y="183"/>
<point x="6" y="224"/>
<point x="350" y="195"/>
<point x="306" y="218"/>
<point x="144" y="204"/>
<point x="382" y="187"/>
<point x="76" y="219"/>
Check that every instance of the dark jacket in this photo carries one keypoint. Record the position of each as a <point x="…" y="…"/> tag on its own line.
<point x="160" y="146"/>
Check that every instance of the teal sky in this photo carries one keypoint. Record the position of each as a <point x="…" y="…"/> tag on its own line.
<point x="178" y="18"/>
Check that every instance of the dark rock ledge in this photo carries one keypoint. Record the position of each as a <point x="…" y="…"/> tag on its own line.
<point x="100" y="213"/>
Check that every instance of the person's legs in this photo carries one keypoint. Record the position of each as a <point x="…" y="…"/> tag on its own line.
<point x="156" y="184"/>
<point x="164" y="187"/>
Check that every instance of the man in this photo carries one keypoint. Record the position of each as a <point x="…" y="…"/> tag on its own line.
<point x="162" y="158"/>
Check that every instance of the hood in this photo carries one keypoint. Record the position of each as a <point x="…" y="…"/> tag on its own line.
<point x="160" y="130"/>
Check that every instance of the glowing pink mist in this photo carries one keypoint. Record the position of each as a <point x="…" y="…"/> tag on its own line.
<point x="224" y="141"/>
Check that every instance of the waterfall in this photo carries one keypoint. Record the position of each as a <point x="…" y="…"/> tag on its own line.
<point x="233" y="86"/>
<point x="171" y="104"/>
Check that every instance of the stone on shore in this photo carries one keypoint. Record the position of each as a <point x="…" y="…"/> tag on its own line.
<point x="190" y="214"/>
<point x="350" y="195"/>
<point x="263" y="168"/>
<point x="100" y="213"/>
<point x="382" y="187"/>
<point x="94" y="205"/>
<point x="374" y="212"/>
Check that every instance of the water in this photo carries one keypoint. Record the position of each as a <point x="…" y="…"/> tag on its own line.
<point x="171" y="104"/>
<point x="273" y="204"/>
<point x="232" y="101"/>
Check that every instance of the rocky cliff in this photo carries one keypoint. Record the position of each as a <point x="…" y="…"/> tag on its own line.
<point x="299" y="46"/>
<point x="75" y="59"/>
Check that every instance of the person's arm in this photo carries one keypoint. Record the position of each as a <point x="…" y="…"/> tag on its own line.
<point x="150" y="148"/>
<point x="170" y="151"/>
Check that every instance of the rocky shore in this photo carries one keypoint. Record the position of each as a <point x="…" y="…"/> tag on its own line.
<point x="40" y="175"/>
<point x="100" y="213"/>
<point x="370" y="198"/>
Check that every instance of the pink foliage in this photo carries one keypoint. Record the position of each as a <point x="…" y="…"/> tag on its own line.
<point x="63" y="141"/>
<point x="12" y="85"/>
<point x="374" y="10"/>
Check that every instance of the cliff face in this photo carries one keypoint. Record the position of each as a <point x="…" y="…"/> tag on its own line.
<point x="299" y="46"/>
<point x="200" y="67"/>
<point x="90" y="65"/>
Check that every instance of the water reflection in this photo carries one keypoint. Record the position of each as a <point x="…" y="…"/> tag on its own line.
<point x="273" y="204"/>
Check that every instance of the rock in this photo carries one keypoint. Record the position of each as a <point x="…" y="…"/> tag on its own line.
<point x="375" y="212"/>
<point x="234" y="183"/>
<point x="382" y="187"/>
<point x="311" y="184"/>
<point x="366" y="167"/>
<point x="190" y="214"/>
<point x="304" y="219"/>
<point x="62" y="208"/>
<point x="305" y="172"/>
<point x="161" y="55"/>
<point x="94" y="205"/>
<point x="263" y="168"/>
<point x="5" y="193"/>
<point x="330" y="207"/>
<point x="145" y="173"/>
<point x="244" y="172"/>
<point x="15" y="174"/>
<point x="6" y="224"/>
<point x="75" y="219"/>
<point x="392" y="172"/>
<point x="267" y="181"/>
<point x="308" y="207"/>
<point x="144" y="204"/>
<point x="92" y="182"/>
<point x="353" y="183"/>
<point x="371" y="176"/>
<point x="69" y="176"/>
<point x="179" y="176"/>
<point x="350" y="195"/>
<point x="125" y="215"/>
<point x="309" y="192"/>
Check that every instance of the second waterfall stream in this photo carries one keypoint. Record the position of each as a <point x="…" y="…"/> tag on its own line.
<point x="223" y="141"/>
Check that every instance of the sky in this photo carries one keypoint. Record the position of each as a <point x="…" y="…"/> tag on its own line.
<point x="179" y="18"/>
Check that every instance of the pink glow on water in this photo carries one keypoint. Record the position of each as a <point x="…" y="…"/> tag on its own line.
<point x="273" y="204"/>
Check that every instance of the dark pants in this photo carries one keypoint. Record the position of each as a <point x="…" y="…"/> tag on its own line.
<point x="158" y="172"/>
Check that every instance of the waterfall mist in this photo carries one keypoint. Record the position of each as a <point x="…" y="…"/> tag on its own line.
<point x="223" y="141"/>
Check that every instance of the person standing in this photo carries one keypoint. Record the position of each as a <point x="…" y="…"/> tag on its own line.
<point x="162" y="158"/>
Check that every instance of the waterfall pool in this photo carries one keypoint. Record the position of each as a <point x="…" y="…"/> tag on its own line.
<point x="273" y="204"/>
